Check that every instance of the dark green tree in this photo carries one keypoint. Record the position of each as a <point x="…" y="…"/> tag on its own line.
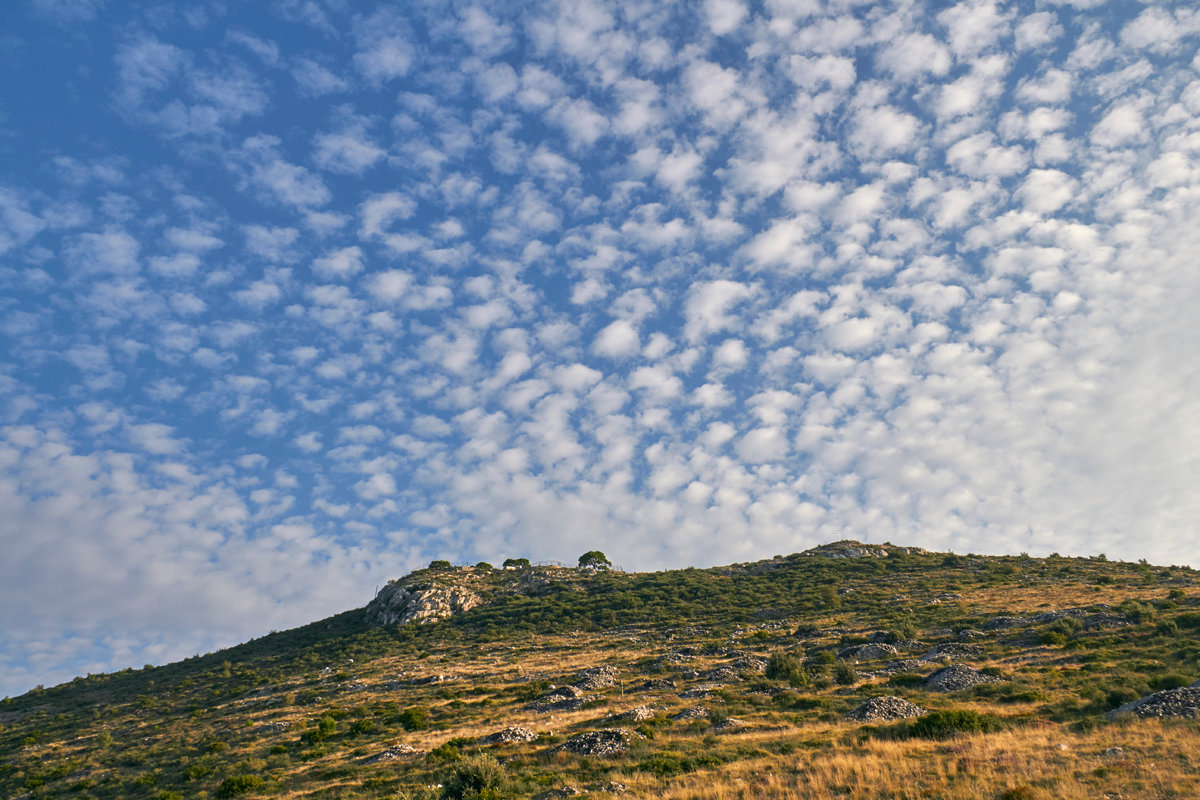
<point x="516" y="563"/>
<point x="594" y="560"/>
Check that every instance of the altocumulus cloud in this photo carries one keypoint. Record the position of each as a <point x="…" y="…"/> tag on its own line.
<point x="322" y="295"/>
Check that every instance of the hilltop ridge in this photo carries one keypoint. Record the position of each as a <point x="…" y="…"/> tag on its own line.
<point x="848" y="669"/>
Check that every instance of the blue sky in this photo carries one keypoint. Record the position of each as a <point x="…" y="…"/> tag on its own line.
<point x="297" y="297"/>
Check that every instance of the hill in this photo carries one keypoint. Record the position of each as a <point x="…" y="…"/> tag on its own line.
<point x="849" y="670"/>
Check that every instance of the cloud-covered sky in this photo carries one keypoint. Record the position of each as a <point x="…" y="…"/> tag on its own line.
<point x="295" y="297"/>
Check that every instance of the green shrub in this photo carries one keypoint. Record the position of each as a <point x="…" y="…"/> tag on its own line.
<point x="236" y="785"/>
<point x="414" y="719"/>
<point x="946" y="724"/>
<point x="440" y="564"/>
<point x="475" y="778"/>
<point x="783" y="666"/>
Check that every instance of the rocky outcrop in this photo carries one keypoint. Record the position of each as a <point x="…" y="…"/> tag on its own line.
<point x="849" y="548"/>
<point x="885" y="708"/>
<point x="1183" y="702"/>
<point x="401" y="603"/>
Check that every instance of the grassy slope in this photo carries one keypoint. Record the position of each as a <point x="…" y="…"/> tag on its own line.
<point x="299" y="710"/>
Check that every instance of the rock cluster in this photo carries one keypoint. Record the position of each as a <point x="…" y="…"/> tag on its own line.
<point x="510" y="735"/>
<point x="605" y="742"/>
<point x="1182" y="702"/>
<point x="956" y="677"/>
<point x="885" y="708"/>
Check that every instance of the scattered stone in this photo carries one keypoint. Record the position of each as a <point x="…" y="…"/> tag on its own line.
<point x="596" y="677"/>
<point x="658" y="685"/>
<point x="969" y="634"/>
<point x="606" y="742"/>
<point x="728" y="725"/>
<point x="1181" y="702"/>
<point x="868" y="652"/>
<point x="944" y="597"/>
<point x="957" y="677"/>
<point x="391" y="754"/>
<point x="722" y="675"/>
<point x="612" y="787"/>
<point x="885" y="708"/>
<point x="703" y="690"/>
<point x="1105" y="620"/>
<point x="1114" y="752"/>
<point x="633" y="715"/>
<point x="510" y="735"/>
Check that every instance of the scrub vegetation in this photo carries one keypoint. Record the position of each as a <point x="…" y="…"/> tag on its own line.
<point x="731" y="682"/>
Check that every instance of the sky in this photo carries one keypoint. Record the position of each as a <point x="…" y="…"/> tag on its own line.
<point x="297" y="296"/>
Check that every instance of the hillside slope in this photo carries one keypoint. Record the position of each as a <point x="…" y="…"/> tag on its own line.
<point x="845" y="671"/>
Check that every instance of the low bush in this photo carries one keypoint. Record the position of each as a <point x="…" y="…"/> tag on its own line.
<point x="947" y="724"/>
<point x="236" y="785"/>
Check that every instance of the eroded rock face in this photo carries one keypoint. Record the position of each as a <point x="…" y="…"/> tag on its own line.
<point x="401" y="603"/>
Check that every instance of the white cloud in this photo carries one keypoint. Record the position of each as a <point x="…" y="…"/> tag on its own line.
<point x="708" y="305"/>
<point x="724" y="16"/>
<point x="340" y="264"/>
<point x="618" y="340"/>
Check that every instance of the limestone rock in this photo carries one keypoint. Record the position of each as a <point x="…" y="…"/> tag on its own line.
<point x="402" y="603"/>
